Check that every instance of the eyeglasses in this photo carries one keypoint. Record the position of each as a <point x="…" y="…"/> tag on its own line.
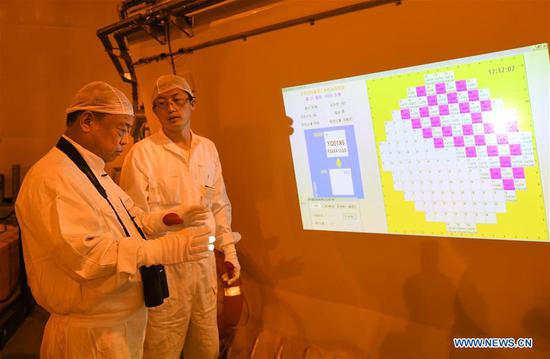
<point x="177" y="102"/>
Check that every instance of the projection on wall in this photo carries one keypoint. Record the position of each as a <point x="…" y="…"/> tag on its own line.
<point x="456" y="149"/>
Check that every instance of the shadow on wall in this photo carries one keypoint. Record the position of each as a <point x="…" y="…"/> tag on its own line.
<point x="428" y="297"/>
<point x="477" y="314"/>
<point x="465" y="324"/>
<point x="250" y="168"/>
<point x="537" y="326"/>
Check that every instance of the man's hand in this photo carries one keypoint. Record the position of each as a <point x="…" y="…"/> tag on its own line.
<point x="193" y="244"/>
<point x="191" y="216"/>
<point x="230" y="259"/>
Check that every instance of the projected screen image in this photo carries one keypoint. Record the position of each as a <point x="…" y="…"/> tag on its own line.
<point x="455" y="149"/>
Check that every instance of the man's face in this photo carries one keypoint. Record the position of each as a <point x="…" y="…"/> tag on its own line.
<point x="110" y="135"/>
<point x="173" y="109"/>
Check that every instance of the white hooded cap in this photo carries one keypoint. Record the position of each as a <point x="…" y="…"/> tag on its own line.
<point x="168" y="82"/>
<point x="99" y="96"/>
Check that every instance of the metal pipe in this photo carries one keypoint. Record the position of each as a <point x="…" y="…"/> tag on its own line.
<point x="278" y="26"/>
<point x="135" y="23"/>
<point x="126" y="4"/>
<point x="109" y="49"/>
<point x="189" y="5"/>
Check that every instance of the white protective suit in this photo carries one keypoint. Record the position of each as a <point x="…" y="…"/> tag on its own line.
<point x="81" y="267"/>
<point x="158" y="175"/>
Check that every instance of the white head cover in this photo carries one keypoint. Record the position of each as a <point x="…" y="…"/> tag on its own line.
<point x="99" y="96"/>
<point x="169" y="82"/>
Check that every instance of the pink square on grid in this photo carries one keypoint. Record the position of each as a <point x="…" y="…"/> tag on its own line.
<point x="486" y="105"/>
<point x="405" y="113"/>
<point x="440" y="88"/>
<point x="438" y="142"/>
<point x="416" y="123"/>
<point x="518" y="172"/>
<point x="508" y="185"/>
<point x="505" y="161"/>
<point x="461" y="85"/>
<point x="424" y="112"/>
<point x="458" y="141"/>
<point x="432" y="100"/>
<point x="476" y="117"/>
<point x="447" y="131"/>
<point x="464" y="107"/>
<point x="436" y="121"/>
<point x="467" y="129"/>
<point x="515" y="149"/>
<point x="473" y="95"/>
<point x="492" y="151"/>
<point x="488" y="128"/>
<point x="495" y="173"/>
<point x="443" y="110"/>
<point x="421" y="91"/>
<point x="479" y="140"/>
<point x="427" y="132"/>
<point x="471" y="151"/>
<point x="452" y="97"/>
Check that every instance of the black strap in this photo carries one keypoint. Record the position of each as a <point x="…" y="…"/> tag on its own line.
<point x="75" y="156"/>
<point x="134" y="222"/>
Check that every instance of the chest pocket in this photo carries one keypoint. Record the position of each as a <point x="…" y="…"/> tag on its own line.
<point x="169" y="190"/>
<point x="207" y="174"/>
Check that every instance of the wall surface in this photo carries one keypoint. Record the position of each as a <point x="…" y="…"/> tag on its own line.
<point x="376" y="296"/>
<point x="380" y="296"/>
<point x="48" y="50"/>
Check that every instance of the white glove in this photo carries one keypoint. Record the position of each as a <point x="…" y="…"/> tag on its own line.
<point x="185" y="217"/>
<point x="230" y="255"/>
<point x="193" y="215"/>
<point x="175" y="219"/>
<point x="192" y="245"/>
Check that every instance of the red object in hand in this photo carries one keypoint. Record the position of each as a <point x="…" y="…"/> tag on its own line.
<point x="172" y="219"/>
<point x="229" y="269"/>
<point x="231" y="307"/>
<point x="232" y="301"/>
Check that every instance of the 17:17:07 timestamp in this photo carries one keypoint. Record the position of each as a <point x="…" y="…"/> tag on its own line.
<point x="501" y="70"/>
